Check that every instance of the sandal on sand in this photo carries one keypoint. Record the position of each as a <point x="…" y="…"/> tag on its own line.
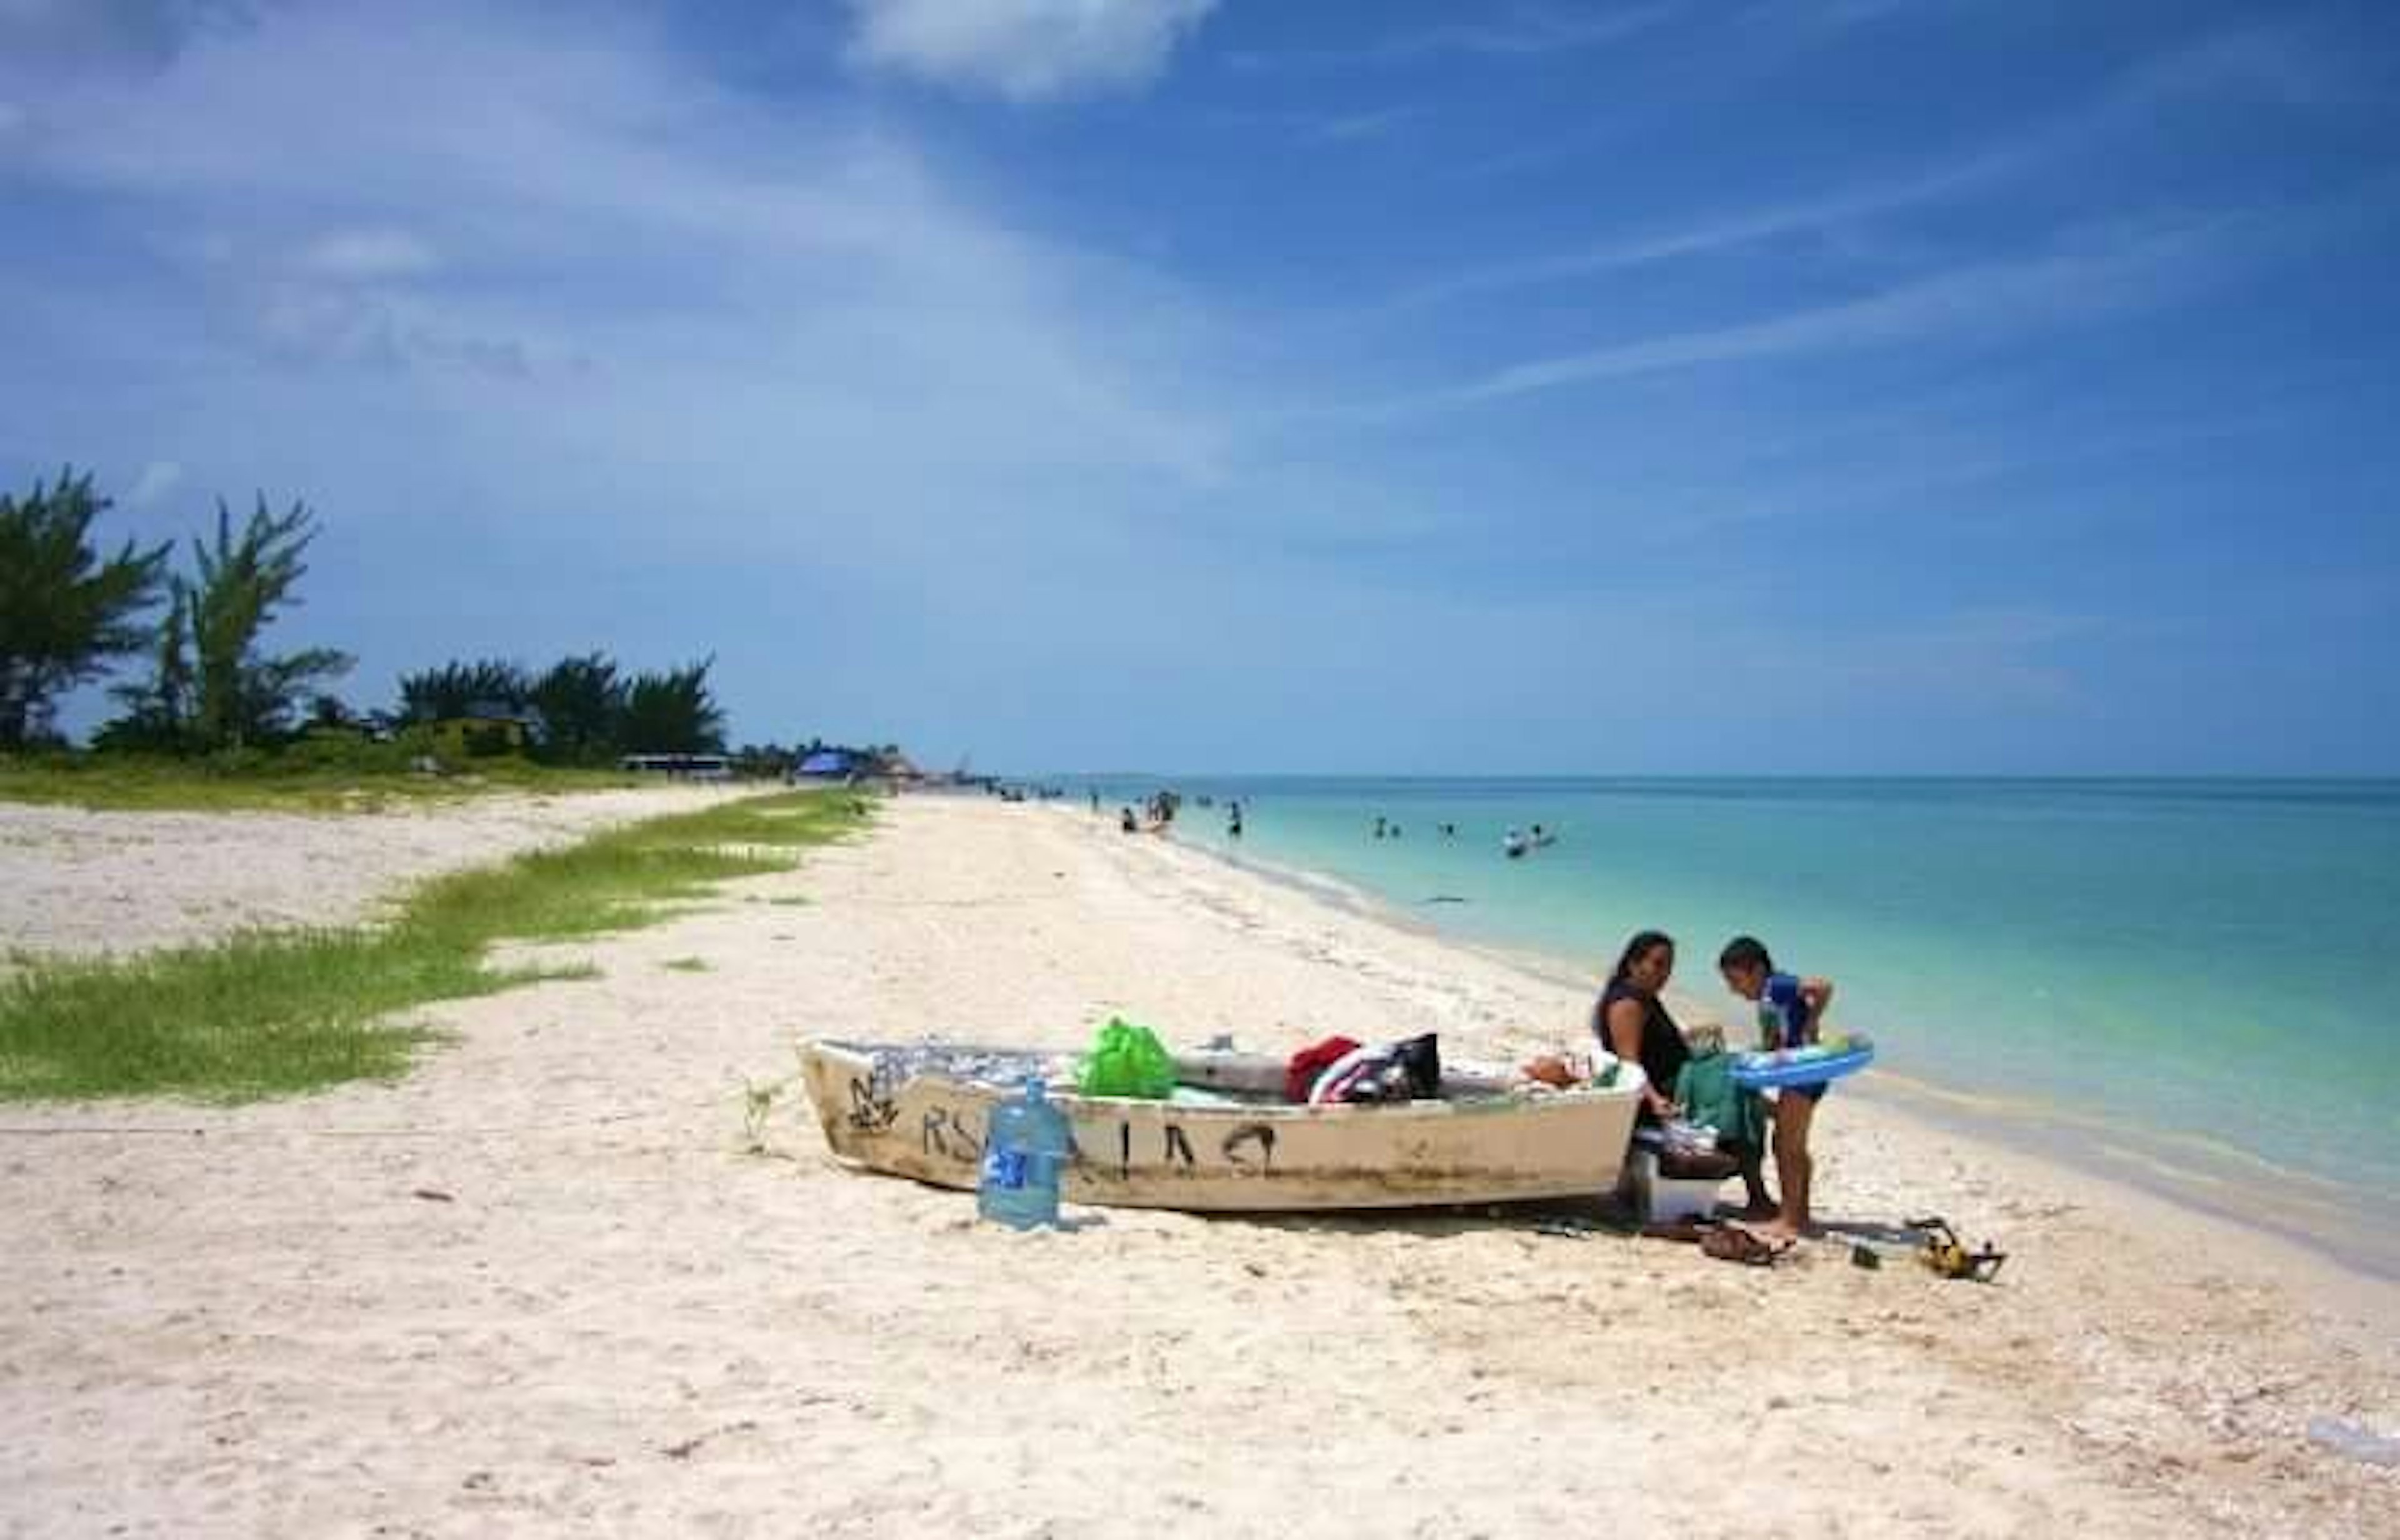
<point x="1733" y="1243"/>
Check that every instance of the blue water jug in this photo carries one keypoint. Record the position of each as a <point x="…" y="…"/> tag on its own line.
<point x="1026" y="1146"/>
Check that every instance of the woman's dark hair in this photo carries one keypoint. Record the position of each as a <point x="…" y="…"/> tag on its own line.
<point x="1636" y="949"/>
<point x="1745" y="953"/>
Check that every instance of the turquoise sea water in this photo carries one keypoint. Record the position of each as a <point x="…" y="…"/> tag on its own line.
<point x="2182" y="974"/>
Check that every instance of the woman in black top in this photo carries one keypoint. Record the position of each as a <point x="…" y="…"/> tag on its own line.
<point x="1630" y="1022"/>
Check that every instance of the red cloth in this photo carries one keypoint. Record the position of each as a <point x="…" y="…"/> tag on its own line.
<point x="1311" y="1062"/>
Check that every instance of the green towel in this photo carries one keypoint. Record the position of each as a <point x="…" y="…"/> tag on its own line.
<point x="1705" y="1087"/>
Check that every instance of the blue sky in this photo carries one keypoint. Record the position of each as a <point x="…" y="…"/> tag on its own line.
<point x="1671" y="386"/>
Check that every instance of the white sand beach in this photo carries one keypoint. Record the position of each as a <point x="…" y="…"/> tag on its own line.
<point x="83" y="882"/>
<point x="540" y="1288"/>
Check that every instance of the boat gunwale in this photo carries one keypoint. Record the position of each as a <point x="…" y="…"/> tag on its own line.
<point x="1497" y="1103"/>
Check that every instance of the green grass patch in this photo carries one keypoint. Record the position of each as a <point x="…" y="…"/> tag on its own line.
<point x="292" y="780"/>
<point x="686" y="965"/>
<point x="273" y="1013"/>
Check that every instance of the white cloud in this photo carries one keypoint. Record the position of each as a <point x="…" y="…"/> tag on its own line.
<point x="1376" y="124"/>
<point x="1521" y="33"/>
<point x="157" y="479"/>
<point x="639" y="241"/>
<point x="1529" y="31"/>
<point x="707" y="359"/>
<point x="1738" y="228"/>
<point x="1025" y="50"/>
<point x="2111" y="274"/>
<point x="368" y="255"/>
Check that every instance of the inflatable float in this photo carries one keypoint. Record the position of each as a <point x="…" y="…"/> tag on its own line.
<point x="1818" y="1064"/>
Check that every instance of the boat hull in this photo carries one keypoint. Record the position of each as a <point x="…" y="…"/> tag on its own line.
<point x="1251" y="1158"/>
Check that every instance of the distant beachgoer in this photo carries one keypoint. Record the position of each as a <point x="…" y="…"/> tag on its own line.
<point x="1379" y="826"/>
<point x="1789" y="1012"/>
<point x="1095" y="802"/>
<point x="1234" y="823"/>
<point x="1126" y="822"/>
<point x="1513" y="845"/>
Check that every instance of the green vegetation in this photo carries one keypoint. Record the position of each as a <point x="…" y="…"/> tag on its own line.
<point x="589" y="713"/>
<point x="685" y="965"/>
<point x="64" y="611"/>
<point x="211" y="687"/>
<point x="275" y="1013"/>
<point x="252" y="726"/>
<point x="336" y="773"/>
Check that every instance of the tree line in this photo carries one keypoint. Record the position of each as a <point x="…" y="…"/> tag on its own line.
<point x="587" y="711"/>
<point x="71" y="613"/>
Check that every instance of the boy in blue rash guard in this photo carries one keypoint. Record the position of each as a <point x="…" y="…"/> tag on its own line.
<point x="1789" y="1012"/>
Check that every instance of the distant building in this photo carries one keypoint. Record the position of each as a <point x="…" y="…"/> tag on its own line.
<point x="486" y="729"/>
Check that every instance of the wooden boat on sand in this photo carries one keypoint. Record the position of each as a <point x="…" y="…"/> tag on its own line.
<point x="1227" y="1141"/>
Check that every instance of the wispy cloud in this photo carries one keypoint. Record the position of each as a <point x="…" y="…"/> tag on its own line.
<point x="2010" y="658"/>
<point x="2276" y="62"/>
<point x="1526" y="32"/>
<point x="368" y="255"/>
<point x="1320" y="125"/>
<point x="1737" y="228"/>
<point x="2287" y="62"/>
<point x="134" y="36"/>
<point x="1378" y="123"/>
<point x="656" y="320"/>
<point x="157" y="479"/>
<point x="1024" y="50"/>
<point x="1532" y="31"/>
<point x="2113" y="273"/>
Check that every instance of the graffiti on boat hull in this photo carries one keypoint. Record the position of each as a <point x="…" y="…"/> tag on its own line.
<point x="947" y="1132"/>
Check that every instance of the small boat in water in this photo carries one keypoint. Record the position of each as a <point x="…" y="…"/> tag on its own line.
<point x="1227" y="1141"/>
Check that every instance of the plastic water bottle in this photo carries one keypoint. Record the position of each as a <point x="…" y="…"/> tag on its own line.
<point x="1026" y="1148"/>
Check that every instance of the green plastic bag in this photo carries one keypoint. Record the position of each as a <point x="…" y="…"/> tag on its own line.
<point x="1126" y="1060"/>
